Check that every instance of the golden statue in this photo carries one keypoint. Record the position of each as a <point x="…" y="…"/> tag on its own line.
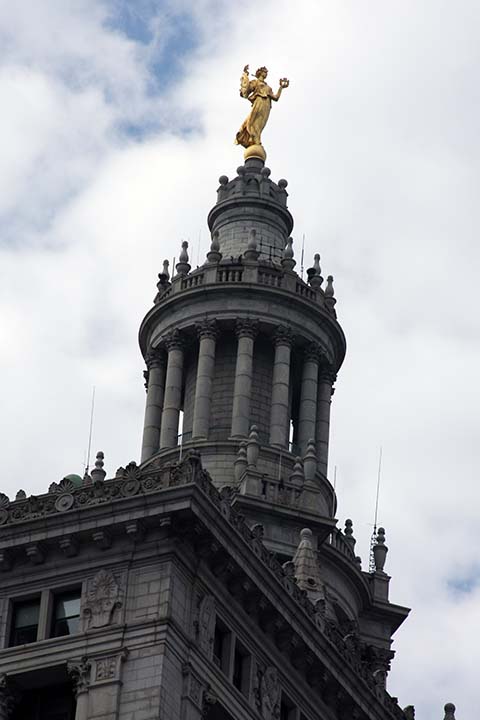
<point x="260" y="95"/>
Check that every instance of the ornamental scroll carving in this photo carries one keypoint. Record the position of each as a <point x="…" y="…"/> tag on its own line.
<point x="103" y="597"/>
<point x="206" y="624"/>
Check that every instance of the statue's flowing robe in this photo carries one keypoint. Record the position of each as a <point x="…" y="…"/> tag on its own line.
<point x="259" y="94"/>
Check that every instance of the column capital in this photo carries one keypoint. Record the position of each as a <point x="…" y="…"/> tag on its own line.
<point x="313" y="351"/>
<point x="283" y="336"/>
<point x="79" y="672"/>
<point x="207" y="329"/>
<point x="246" y="328"/>
<point x="327" y="373"/>
<point x="174" y="340"/>
<point x="154" y="358"/>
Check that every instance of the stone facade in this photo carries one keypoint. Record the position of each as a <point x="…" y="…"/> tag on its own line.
<point x="209" y="581"/>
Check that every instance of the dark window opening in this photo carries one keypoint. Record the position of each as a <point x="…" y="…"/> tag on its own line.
<point x="24" y="627"/>
<point x="287" y="709"/>
<point x="221" y="646"/>
<point x="55" y="702"/>
<point x="218" y="646"/>
<point x="66" y="614"/>
<point x="240" y="669"/>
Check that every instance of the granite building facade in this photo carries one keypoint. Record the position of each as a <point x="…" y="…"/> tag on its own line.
<point x="210" y="580"/>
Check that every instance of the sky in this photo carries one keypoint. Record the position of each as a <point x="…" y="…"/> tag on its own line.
<point x="117" y="120"/>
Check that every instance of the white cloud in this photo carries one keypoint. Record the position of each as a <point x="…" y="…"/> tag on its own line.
<point x="377" y="136"/>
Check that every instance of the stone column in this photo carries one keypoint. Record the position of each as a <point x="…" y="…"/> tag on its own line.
<point x="80" y="675"/>
<point x="207" y="333"/>
<point x="308" y="397"/>
<point x="246" y="331"/>
<point x="173" y="391"/>
<point x="279" y="415"/>
<point x="8" y="698"/>
<point x="156" y="364"/>
<point x="326" y="379"/>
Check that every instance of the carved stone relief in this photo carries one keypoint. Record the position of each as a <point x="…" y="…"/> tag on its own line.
<point x="206" y="624"/>
<point x="103" y="597"/>
<point x="106" y="668"/>
<point x="269" y="693"/>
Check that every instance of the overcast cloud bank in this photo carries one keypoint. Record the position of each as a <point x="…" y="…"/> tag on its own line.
<point x="117" y="120"/>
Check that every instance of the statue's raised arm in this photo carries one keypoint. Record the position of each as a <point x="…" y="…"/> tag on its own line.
<point x="260" y="95"/>
<point x="244" y="83"/>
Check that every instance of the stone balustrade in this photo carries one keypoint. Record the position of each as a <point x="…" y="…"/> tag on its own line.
<point x="261" y="273"/>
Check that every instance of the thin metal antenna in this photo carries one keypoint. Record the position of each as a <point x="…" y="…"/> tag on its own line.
<point x="373" y="539"/>
<point x="198" y="248"/>
<point x="173" y="267"/>
<point x="335" y="477"/>
<point x="303" y="253"/>
<point x="87" y="466"/>
<point x="378" y="487"/>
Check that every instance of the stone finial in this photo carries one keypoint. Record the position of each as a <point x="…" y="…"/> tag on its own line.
<point x="163" y="282"/>
<point x="310" y="461"/>
<point x="449" y="711"/>
<point x="330" y="300"/>
<point x="348" y="532"/>
<point x="297" y="477"/>
<point x="288" y="263"/>
<point x="164" y="276"/>
<point x="214" y="255"/>
<point x="314" y="273"/>
<point x="240" y="464"/>
<point x="253" y="447"/>
<point x="307" y="572"/>
<point x="183" y="267"/>
<point x="380" y="550"/>
<point x="98" y="473"/>
<point x="21" y="495"/>
<point x="409" y="712"/>
<point x="251" y="252"/>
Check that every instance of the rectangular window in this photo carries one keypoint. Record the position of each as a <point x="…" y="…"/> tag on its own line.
<point x="241" y="666"/>
<point x="24" y="628"/>
<point x="66" y="613"/>
<point x="222" y="642"/>
<point x="218" y="645"/>
<point x="287" y="709"/>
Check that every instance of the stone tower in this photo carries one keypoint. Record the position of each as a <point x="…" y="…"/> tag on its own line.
<point x="248" y="352"/>
<point x="209" y="581"/>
